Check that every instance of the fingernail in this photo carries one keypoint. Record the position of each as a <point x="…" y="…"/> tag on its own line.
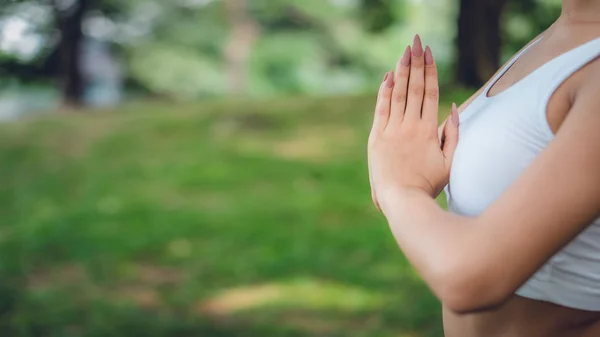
<point x="389" y="81"/>
<point x="386" y="76"/>
<point x="428" y="56"/>
<point x="417" y="48"/>
<point x="455" y="114"/>
<point x="405" y="61"/>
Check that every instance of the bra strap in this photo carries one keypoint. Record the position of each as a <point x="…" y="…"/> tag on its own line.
<point x="508" y="65"/>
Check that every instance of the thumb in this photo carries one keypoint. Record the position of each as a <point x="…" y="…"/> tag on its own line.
<point x="451" y="135"/>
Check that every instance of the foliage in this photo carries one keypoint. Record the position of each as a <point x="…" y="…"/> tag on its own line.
<point x="177" y="71"/>
<point x="302" y="46"/>
<point x="526" y="19"/>
<point x="377" y="14"/>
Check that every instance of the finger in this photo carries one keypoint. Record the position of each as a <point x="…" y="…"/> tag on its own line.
<point x="416" y="83"/>
<point x="382" y="110"/>
<point x="451" y="135"/>
<point x="431" y="99"/>
<point x="400" y="87"/>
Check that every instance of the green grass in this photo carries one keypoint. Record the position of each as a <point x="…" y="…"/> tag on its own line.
<point x="217" y="219"/>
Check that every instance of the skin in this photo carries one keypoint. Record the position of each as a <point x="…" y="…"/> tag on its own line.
<point x="475" y="264"/>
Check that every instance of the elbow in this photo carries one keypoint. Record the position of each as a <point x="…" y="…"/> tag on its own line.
<point x="470" y="289"/>
<point x="464" y="299"/>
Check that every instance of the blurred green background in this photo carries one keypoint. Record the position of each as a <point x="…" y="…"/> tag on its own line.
<point x="197" y="167"/>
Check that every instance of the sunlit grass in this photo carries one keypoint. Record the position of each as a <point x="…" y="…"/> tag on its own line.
<point x="216" y="219"/>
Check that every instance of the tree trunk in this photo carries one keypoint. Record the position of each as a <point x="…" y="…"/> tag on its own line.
<point x="69" y="22"/>
<point x="244" y="32"/>
<point x="479" y="40"/>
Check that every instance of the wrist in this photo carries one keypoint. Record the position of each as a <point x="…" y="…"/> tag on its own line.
<point x="393" y="197"/>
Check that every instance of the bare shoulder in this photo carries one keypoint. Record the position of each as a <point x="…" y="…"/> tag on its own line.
<point x="587" y="89"/>
<point x="590" y="76"/>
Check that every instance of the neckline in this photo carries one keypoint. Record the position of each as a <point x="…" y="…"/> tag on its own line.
<point x="536" y="70"/>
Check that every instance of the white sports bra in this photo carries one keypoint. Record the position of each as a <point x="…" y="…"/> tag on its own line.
<point x="499" y="137"/>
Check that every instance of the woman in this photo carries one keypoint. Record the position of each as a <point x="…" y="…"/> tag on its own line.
<point x="519" y="253"/>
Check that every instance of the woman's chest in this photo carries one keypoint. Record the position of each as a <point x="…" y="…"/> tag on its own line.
<point x="498" y="140"/>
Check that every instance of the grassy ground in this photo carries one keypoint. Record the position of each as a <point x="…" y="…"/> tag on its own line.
<point x="216" y="219"/>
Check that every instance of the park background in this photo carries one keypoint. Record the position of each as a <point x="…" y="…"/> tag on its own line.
<point x="197" y="167"/>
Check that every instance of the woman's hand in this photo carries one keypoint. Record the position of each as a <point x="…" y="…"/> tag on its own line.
<point x="404" y="151"/>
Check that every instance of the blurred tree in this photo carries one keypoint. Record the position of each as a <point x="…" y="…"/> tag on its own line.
<point x="492" y="30"/>
<point x="315" y="46"/>
<point x="244" y="32"/>
<point x="69" y="20"/>
<point x="183" y="48"/>
<point x="526" y="19"/>
<point x="377" y="15"/>
<point x="62" y="36"/>
<point x="176" y="49"/>
<point x="479" y="40"/>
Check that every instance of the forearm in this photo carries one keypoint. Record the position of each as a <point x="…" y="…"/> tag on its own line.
<point x="435" y="242"/>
